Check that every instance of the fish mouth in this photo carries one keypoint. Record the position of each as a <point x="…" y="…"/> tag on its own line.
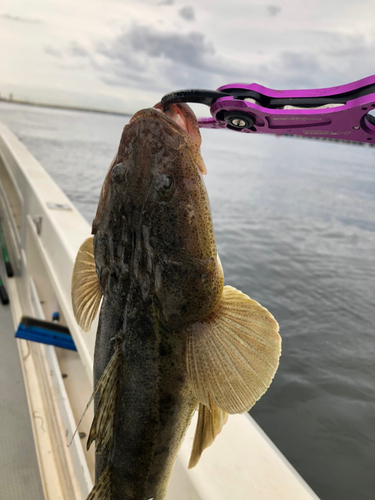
<point x="181" y="118"/>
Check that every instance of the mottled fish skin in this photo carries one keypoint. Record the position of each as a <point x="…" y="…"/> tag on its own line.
<point x="170" y="335"/>
<point x="157" y="265"/>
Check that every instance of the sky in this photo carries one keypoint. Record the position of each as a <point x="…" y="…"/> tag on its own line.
<point x="125" y="55"/>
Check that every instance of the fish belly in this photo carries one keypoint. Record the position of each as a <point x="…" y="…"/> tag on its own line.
<point x="154" y="402"/>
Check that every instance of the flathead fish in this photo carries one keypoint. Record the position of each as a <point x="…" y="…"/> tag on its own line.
<point x="171" y="337"/>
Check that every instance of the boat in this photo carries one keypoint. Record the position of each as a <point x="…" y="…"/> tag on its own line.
<point x="47" y="388"/>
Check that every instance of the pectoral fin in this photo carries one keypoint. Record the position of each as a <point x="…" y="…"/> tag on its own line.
<point x="232" y="357"/>
<point x="86" y="291"/>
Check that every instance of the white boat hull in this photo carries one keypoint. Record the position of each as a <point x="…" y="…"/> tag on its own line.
<point x="44" y="240"/>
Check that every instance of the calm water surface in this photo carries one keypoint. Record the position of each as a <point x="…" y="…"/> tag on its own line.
<point x="295" y="230"/>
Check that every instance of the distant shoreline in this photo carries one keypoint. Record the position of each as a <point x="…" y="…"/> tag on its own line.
<point x="62" y="106"/>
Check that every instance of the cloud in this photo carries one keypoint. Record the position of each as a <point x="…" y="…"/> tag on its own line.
<point x="341" y="59"/>
<point x="273" y="10"/>
<point x="189" y="48"/>
<point x="299" y="67"/>
<point x="187" y="13"/>
<point x="159" y="59"/>
<point x="19" y="19"/>
<point x="148" y="59"/>
<point x="52" y="51"/>
<point x="78" y="50"/>
<point x="166" y="2"/>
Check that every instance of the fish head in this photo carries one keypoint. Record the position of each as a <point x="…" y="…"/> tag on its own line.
<point x="153" y="227"/>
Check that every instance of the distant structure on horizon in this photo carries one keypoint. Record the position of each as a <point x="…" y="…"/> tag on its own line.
<point x="61" y="106"/>
<point x="10" y="98"/>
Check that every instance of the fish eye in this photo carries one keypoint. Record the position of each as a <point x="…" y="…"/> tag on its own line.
<point x="118" y="172"/>
<point x="164" y="184"/>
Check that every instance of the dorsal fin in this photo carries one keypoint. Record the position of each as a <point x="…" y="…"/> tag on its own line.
<point x="86" y="291"/>
<point x="232" y="357"/>
<point x="101" y="429"/>
<point x="102" y="488"/>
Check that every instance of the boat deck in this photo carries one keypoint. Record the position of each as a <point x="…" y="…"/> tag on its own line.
<point x="19" y="471"/>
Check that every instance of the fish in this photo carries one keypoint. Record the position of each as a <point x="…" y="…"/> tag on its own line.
<point x="171" y="338"/>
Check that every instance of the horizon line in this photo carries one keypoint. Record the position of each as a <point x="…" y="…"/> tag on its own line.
<point x="64" y="106"/>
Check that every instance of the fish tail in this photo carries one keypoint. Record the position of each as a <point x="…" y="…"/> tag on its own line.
<point x="102" y="426"/>
<point x="101" y="490"/>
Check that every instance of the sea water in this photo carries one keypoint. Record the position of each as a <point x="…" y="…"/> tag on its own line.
<point x="295" y="229"/>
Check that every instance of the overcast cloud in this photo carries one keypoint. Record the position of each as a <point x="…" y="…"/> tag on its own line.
<point x="10" y="17"/>
<point x="187" y="13"/>
<point x="126" y="55"/>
